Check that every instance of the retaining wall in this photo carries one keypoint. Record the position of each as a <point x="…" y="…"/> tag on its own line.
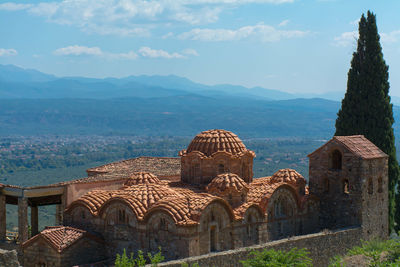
<point x="322" y="246"/>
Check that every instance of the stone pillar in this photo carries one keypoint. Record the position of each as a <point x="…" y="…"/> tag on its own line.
<point x="59" y="214"/>
<point x="34" y="220"/>
<point x="22" y="219"/>
<point x="3" y="218"/>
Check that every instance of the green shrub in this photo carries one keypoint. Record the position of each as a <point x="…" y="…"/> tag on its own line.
<point x="275" y="258"/>
<point x="140" y="261"/>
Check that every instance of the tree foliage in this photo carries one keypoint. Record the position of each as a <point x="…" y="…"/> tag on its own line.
<point x="366" y="107"/>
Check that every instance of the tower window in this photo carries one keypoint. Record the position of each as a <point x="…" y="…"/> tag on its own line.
<point x="370" y="186"/>
<point x="380" y="185"/>
<point x="346" y="188"/>
<point x="163" y="224"/>
<point x="336" y="161"/>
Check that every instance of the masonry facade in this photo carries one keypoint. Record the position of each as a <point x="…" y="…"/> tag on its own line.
<point x="212" y="203"/>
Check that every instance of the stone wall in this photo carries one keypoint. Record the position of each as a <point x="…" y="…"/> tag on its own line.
<point x="8" y="258"/>
<point x="322" y="246"/>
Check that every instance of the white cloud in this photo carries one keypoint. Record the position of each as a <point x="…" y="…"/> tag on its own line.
<point x="263" y="32"/>
<point x="130" y="17"/>
<point x="77" y="50"/>
<point x="167" y="35"/>
<point x="346" y="39"/>
<point x="147" y="52"/>
<point x="14" y="7"/>
<point x="8" y="52"/>
<point x="190" y="52"/>
<point x="284" y="23"/>
<point x="154" y="53"/>
<point x="391" y="37"/>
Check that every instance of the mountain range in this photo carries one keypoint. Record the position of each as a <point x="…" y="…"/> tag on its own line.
<point x="32" y="102"/>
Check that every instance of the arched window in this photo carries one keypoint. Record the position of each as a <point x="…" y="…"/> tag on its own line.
<point x="336" y="160"/>
<point x="221" y="168"/>
<point x="345" y="186"/>
<point x="370" y="186"/>
<point x="83" y="214"/>
<point x="121" y="216"/>
<point x="245" y="171"/>
<point x="230" y="199"/>
<point x="163" y="224"/>
<point x="380" y="185"/>
<point x="326" y="185"/>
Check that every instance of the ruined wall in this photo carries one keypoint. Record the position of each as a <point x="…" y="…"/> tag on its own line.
<point x="322" y="246"/>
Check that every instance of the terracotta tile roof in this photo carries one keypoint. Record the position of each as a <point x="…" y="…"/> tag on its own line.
<point x="212" y="141"/>
<point x="227" y="182"/>
<point x="148" y="194"/>
<point x="60" y="237"/>
<point x="289" y="176"/>
<point x="241" y="210"/>
<point x="359" y="145"/>
<point x="94" y="200"/>
<point x="160" y="166"/>
<point x="142" y="178"/>
<point x="186" y="210"/>
<point x="137" y="207"/>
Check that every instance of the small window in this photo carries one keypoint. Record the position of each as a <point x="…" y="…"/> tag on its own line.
<point x="243" y="197"/>
<point x="163" y="224"/>
<point x="346" y="188"/>
<point x="326" y="185"/>
<point x="230" y="199"/>
<point x="370" y="186"/>
<point x="380" y="185"/>
<point x="336" y="163"/>
<point x="83" y="214"/>
<point x="121" y="216"/>
<point x="221" y="168"/>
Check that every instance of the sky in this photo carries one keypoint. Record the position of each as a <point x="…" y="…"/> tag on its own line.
<point x="298" y="46"/>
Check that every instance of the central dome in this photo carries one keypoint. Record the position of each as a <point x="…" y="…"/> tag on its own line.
<point x="211" y="141"/>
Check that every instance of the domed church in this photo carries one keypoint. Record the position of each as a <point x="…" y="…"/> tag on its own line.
<point x="207" y="200"/>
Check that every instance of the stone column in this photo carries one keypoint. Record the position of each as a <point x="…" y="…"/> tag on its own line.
<point x="22" y="219"/>
<point x="34" y="220"/>
<point x="3" y="226"/>
<point x="59" y="213"/>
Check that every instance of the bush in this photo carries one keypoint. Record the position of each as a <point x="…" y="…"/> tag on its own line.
<point x="275" y="258"/>
<point x="139" y="261"/>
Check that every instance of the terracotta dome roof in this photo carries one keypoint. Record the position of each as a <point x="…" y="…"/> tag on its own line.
<point x="211" y="141"/>
<point x="287" y="176"/>
<point x="148" y="194"/>
<point x="227" y="182"/>
<point x="142" y="178"/>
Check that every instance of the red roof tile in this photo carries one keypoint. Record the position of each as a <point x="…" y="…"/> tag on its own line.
<point x="227" y="182"/>
<point x="359" y="145"/>
<point x="212" y="141"/>
<point x="60" y="237"/>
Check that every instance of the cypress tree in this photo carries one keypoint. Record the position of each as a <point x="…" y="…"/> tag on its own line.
<point x="366" y="107"/>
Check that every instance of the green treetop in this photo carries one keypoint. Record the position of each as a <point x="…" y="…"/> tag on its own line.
<point x="366" y="107"/>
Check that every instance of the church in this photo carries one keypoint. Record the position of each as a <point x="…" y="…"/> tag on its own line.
<point x="207" y="200"/>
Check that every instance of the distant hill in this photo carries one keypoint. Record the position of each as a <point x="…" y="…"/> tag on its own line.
<point x="32" y="103"/>
<point x="16" y="82"/>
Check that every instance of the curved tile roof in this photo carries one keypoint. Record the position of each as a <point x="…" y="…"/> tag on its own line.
<point x="94" y="200"/>
<point x="211" y="141"/>
<point x="142" y="178"/>
<point x="137" y="207"/>
<point x="227" y="182"/>
<point x="149" y="194"/>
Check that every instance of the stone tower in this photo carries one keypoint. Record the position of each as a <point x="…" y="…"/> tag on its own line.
<point x="350" y="176"/>
<point x="215" y="152"/>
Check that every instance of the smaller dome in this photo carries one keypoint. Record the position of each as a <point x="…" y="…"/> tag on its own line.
<point x="227" y="183"/>
<point x="142" y="178"/>
<point x="289" y="176"/>
<point x="148" y="194"/>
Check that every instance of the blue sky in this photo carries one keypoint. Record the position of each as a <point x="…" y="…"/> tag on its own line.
<point x="302" y="46"/>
